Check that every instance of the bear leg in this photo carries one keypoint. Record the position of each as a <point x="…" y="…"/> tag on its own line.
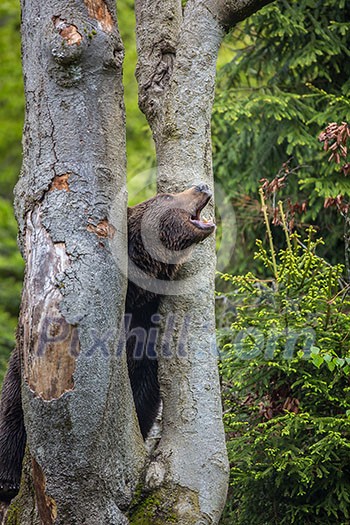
<point x="12" y="431"/>
<point x="145" y="388"/>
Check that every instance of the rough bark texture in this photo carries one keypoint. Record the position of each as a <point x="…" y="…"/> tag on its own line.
<point x="85" y="449"/>
<point x="188" y="475"/>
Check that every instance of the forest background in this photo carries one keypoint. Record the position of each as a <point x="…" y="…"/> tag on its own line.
<point x="283" y="76"/>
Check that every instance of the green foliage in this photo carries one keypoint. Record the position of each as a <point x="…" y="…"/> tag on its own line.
<point x="290" y="470"/>
<point x="11" y="96"/>
<point x="287" y="79"/>
<point x="286" y="369"/>
<point x="11" y="273"/>
<point x="286" y="354"/>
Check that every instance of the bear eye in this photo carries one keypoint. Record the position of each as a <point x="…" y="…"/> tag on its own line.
<point x="169" y="197"/>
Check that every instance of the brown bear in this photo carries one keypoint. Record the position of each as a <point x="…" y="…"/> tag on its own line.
<point x="160" y="232"/>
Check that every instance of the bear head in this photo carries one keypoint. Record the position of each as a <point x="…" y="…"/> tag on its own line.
<point x="162" y="230"/>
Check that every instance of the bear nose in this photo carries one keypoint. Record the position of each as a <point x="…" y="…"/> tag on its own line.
<point x="203" y="188"/>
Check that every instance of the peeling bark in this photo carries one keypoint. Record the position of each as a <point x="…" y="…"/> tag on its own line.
<point x="50" y="343"/>
<point x="103" y="229"/>
<point x="98" y="9"/>
<point x="60" y="182"/>
<point x="47" y="508"/>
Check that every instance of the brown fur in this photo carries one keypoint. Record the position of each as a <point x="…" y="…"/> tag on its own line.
<point x="166" y="218"/>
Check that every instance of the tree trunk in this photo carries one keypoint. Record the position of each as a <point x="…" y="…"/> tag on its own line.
<point x="187" y="477"/>
<point x="84" y="450"/>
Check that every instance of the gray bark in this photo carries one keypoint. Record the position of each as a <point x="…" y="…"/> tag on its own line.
<point x="85" y="449"/>
<point x="176" y="75"/>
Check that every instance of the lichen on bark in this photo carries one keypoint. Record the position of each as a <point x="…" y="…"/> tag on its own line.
<point x="167" y="505"/>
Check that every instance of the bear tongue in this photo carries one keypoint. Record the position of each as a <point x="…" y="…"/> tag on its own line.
<point x="203" y="225"/>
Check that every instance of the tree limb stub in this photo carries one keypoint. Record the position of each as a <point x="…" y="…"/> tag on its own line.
<point x="69" y="32"/>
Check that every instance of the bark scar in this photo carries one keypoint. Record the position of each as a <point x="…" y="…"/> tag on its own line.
<point x="47" y="507"/>
<point x="155" y="87"/>
<point x="102" y="229"/>
<point x="98" y="10"/>
<point x="162" y="73"/>
<point x="50" y="343"/>
<point x="69" y="32"/>
<point x="60" y="182"/>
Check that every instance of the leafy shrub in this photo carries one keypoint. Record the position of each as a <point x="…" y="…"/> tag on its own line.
<point x="286" y="389"/>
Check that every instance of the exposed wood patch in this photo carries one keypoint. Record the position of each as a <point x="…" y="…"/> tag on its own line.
<point x="47" y="507"/>
<point x="98" y="10"/>
<point x="60" y="182"/>
<point x="50" y="373"/>
<point x="50" y="343"/>
<point x="67" y="31"/>
<point x="102" y="229"/>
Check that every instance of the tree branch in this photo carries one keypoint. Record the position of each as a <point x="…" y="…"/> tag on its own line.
<point x="185" y="145"/>
<point x="192" y="447"/>
<point x="230" y="12"/>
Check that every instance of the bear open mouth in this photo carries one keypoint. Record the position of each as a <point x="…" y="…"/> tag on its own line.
<point x="199" y="222"/>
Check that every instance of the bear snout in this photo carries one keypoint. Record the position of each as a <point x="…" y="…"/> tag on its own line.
<point x="203" y="188"/>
